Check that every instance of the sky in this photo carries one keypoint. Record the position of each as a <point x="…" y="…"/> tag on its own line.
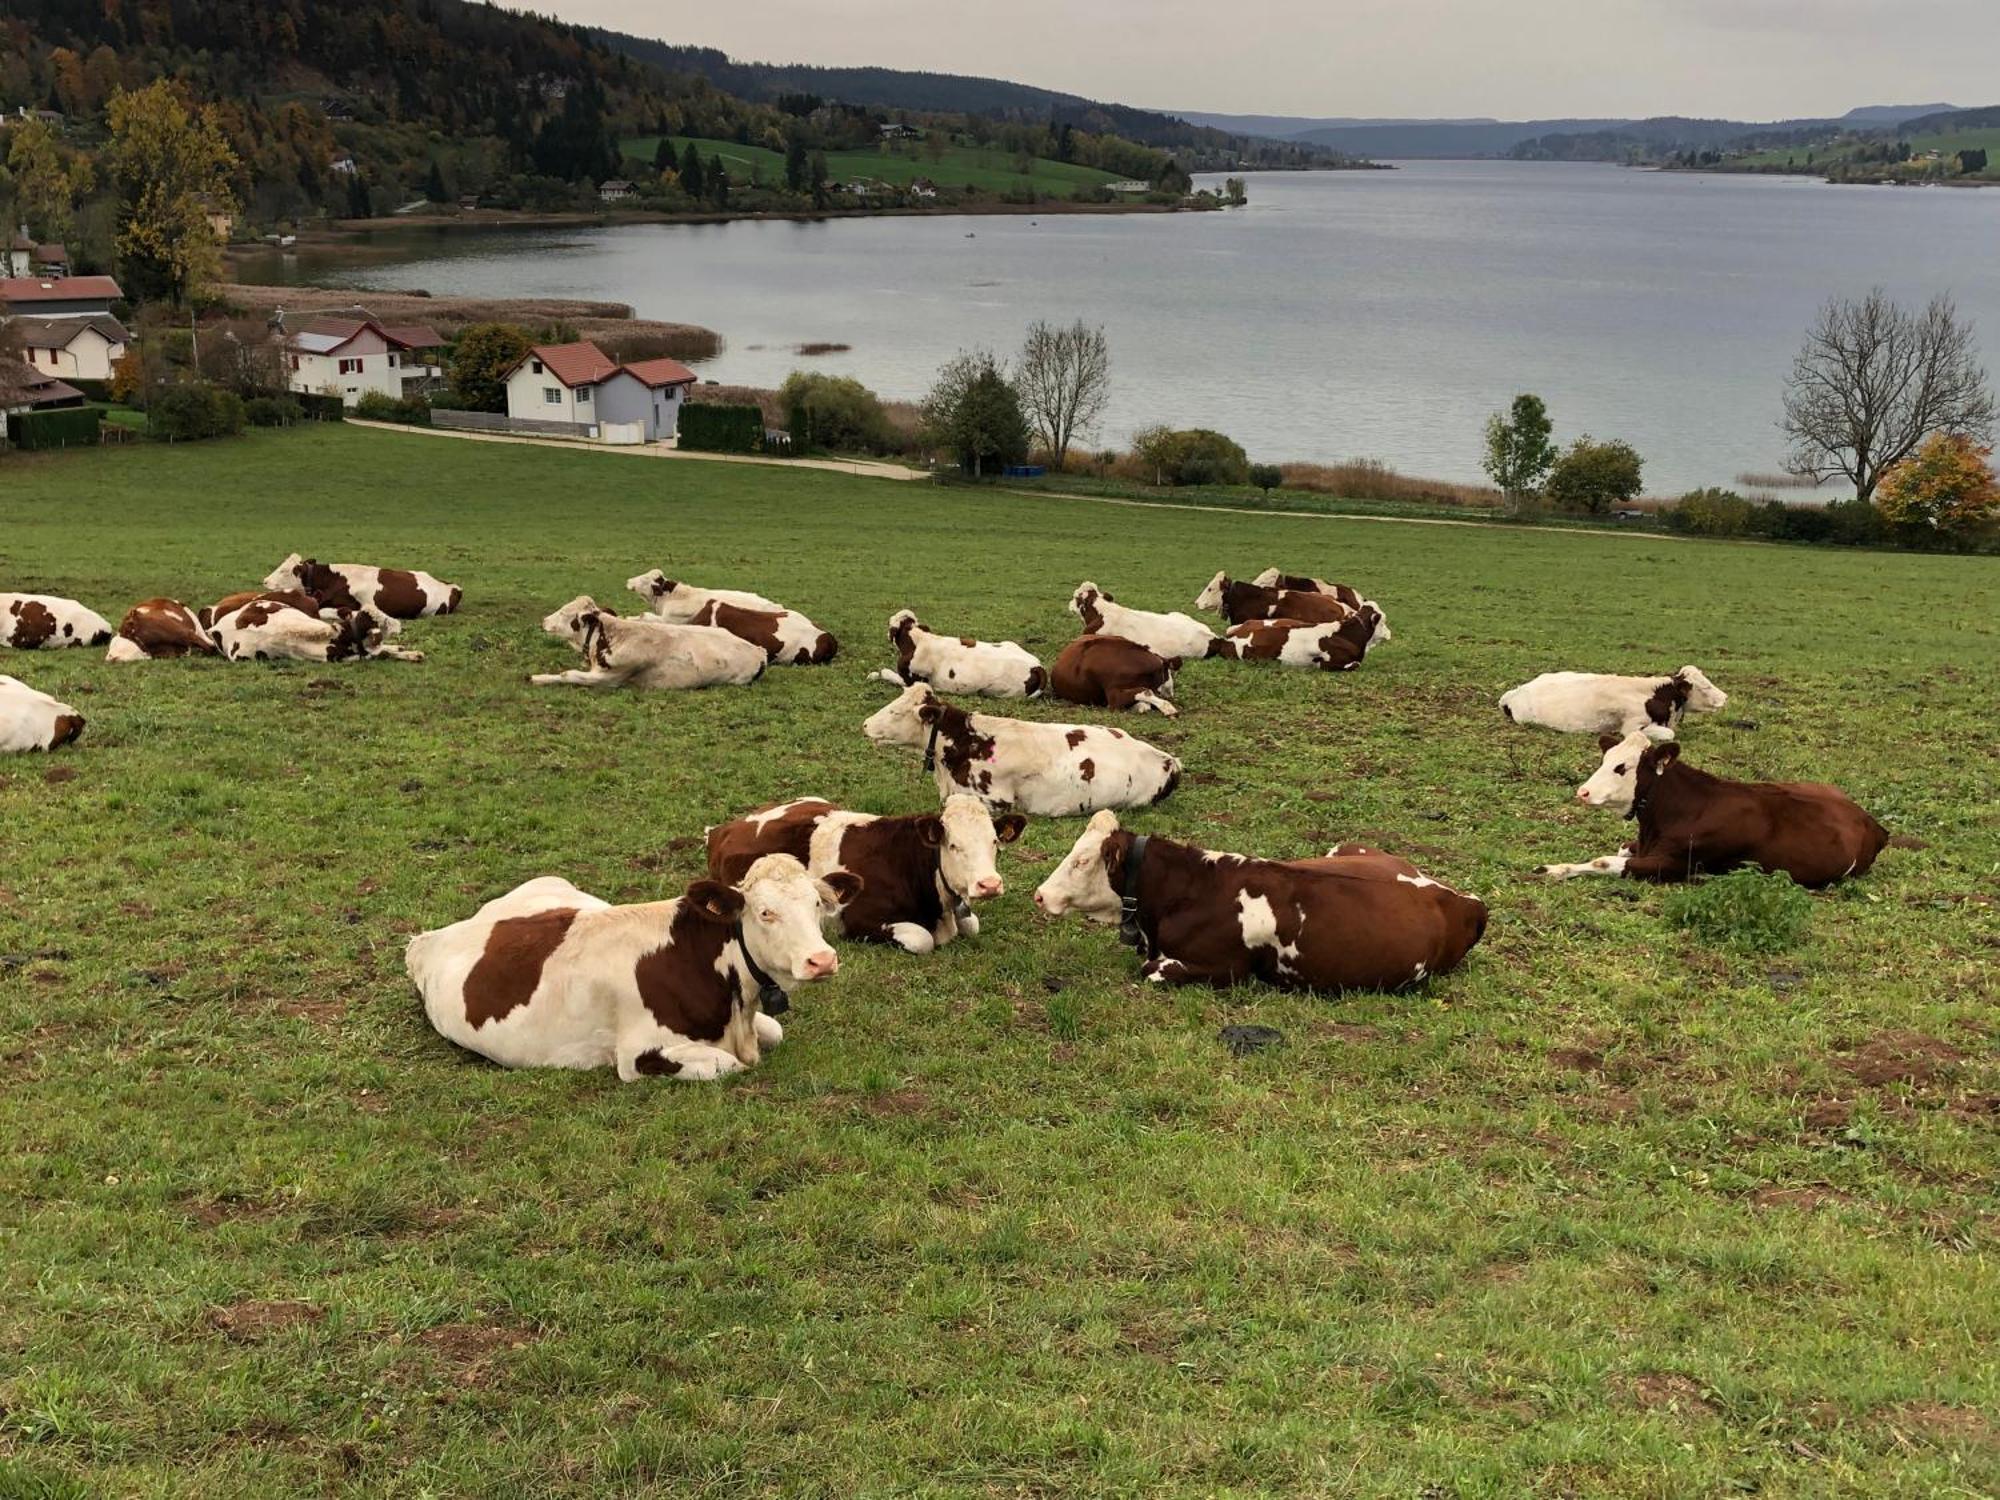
<point x="1509" y="59"/>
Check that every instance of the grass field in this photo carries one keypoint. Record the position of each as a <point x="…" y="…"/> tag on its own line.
<point x="1607" y="1213"/>
<point x="992" y="170"/>
<point x="1948" y="143"/>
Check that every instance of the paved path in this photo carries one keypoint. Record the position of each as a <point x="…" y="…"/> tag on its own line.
<point x="866" y="468"/>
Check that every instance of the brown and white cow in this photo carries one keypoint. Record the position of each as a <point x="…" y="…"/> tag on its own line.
<point x="1108" y="671"/>
<point x="1173" y="635"/>
<point x="1694" y="823"/>
<point x="960" y="664"/>
<point x="1305" y="583"/>
<point x="920" y="873"/>
<point x="1358" y="919"/>
<point x="671" y="599"/>
<point x="646" y="652"/>
<point x="1237" y="602"/>
<point x="1303" y="643"/>
<point x="288" y="626"/>
<point x="44" y="622"/>
<point x="1611" y="703"/>
<point x="32" y="720"/>
<point x="547" y="976"/>
<point x="1044" y="770"/>
<point x="159" y="630"/>
<point x="786" y="637"/>
<point x="399" y="593"/>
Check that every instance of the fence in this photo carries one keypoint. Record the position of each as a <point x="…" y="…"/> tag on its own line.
<point x="493" y="421"/>
<point x="65" y="427"/>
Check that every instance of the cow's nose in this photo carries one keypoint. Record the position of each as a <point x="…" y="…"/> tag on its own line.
<point x="992" y="885"/>
<point x="822" y="963"/>
<point x="1040" y="899"/>
<point x="1583" y="794"/>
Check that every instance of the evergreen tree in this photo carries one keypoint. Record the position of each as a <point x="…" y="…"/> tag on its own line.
<point x="691" y="178"/>
<point x="358" y="206"/>
<point x="718" y="183"/>
<point x="797" y="167"/>
<point x="434" y="188"/>
<point x="663" y="156"/>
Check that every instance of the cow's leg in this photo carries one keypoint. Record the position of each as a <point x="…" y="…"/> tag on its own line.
<point x="395" y="653"/>
<point x="1610" y="864"/>
<point x="655" y="1052"/>
<point x="1165" y="970"/>
<point x="1158" y="704"/>
<point x="577" y="678"/>
<point x="909" y="937"/>
<point x="769" y="1032"/>
<point x="1122" y="698"/>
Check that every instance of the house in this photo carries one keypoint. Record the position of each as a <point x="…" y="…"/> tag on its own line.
<point x="25" y="389"/>
<point x="73" y="348"/>
<point x="896" y="130"/>
<point x="221" y="222"/>
<point x="342" y="166"/>
<point x="58" y="296"/>
<point x="615" y="189"/>
<point x="354" y="355"/>
<point x="579" y="383"/>
<point x="1129" y="185"/>
<point x="923" y="187"/>
<point x="468" y="201"/>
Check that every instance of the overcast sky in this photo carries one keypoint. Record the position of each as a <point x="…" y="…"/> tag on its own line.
<point x="1738" y="59"/>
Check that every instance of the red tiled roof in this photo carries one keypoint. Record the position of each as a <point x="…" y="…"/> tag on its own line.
<point x="58" y="289"/>
<point x="411" y="335"/>
<point x="581" y="363"/>
<point x="659" y="372"/>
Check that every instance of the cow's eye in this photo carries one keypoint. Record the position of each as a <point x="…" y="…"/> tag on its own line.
<point x="767" y="915"/>
<point x="1617" y="770"/>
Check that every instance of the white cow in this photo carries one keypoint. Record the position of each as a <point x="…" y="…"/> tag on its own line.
<point x="267" y="628"/>
<point x="1048" y="770"/>
<point x="672" y="600"/>
<point x="1601" y="703"/>
<point x="547" y="976"/>
<point x="398" y="593"/>
<point x="959" y="664"/>
<point x="646" y="652"/>
<point x="44" y="622"/>
<point x="1175" y="636"/>
<point x="32" y="720"/>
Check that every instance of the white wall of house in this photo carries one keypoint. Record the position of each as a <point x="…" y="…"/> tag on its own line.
<point x="626" y="398"/>
<point x="90" y="356"/>
<point x="535" y="395"/>
<point x="364" y="363"/>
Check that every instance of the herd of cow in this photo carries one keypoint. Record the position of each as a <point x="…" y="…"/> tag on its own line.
<point x="548" y="975"/>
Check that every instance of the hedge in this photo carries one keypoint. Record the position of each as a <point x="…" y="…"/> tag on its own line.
<point x="320" y="408"/>
<point x="65" y="427"/>
<point x="722" y="429"/>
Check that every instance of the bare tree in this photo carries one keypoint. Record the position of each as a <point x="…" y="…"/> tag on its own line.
<point x="1873" y="381"/>
<point x="1064" y="378"/>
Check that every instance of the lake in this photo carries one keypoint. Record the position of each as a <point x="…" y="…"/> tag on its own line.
<point x="1338" y="315"/>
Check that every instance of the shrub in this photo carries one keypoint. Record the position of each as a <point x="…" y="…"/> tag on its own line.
<point x="1195" y="455"/>
<point x="1266" y="477"/>
<point x="1746" y="910"/>
<point x="374" y="406"/>
<point x="721" y="429"/>
<point x="1710" y="512"/>
<point x="1594" y="477"/>
<point x="974" y="413"/>
<point x="1855" y="523"/>
<point x="65" y="427"/>
<point x="834" y="411"/>
<point x="480" y="362"/>
<point x="1790" y="523"/>
<point x="194" y="410"/>
<point x="1947" y="485"/>
<point x="272" y="411"/>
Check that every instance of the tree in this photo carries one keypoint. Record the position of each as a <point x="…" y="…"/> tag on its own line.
<point x="1518" y="450"/>
<point x="1196" y="455"/>
<point x="1266" y="477"/>
<point x="358" y="204"/>
<point x="170" y="166"/>
<point x="1064" y="378"/>
<point x="816" y="178"/>
<point x="663" y="156"/>
<point x="1595" y="476"/>
<point x="718" y="183"/>
<point x="1172" y="178"/>
<point x="1947" y="485"/>
<point x="974" y="412"/>
<point x="41" y="180"/>
<point x="797" y="163"/>
<point x="691" y="179"/>
<point x="434" y="188"/>
<point x="1972" y="161"/>
<point x="486" y="353"/>
<point x="836" y="412"/>
<point x="1872" y="381"/>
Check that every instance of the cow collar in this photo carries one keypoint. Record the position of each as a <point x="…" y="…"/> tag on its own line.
<point x="960" y="907"/>
<point x="1129" y="931"/>
<point x="930" y="745"/>
<point x="772" y="1000"/>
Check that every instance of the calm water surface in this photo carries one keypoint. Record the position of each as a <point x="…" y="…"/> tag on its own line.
<point x="1339" y="315"/>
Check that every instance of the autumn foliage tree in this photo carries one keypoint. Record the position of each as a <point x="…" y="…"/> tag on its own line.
<point x="1947" y="485"/>
<point x="171" y="165"/>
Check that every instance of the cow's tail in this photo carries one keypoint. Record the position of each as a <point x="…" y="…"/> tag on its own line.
<point x="1038" y="681"/>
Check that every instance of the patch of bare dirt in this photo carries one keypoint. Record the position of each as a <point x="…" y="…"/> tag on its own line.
<point x="57" y="775"/>
<point x="1661" y="1391"/>
<point x="1805" y="1197"/>
<point x="247" y="1322"/>
<point x="1898" y="1057"/>
<point x="1829" y="1114"/>
<point x="473" y="1349"/>
<point x="325" y="1012"/>
<point x="211" y="1213"/>
<point x="1953" y="1426"/>
<point x="1350" y="1031"/>
<point x="902" y="1104"/>
<point x="1577" y="1059"/>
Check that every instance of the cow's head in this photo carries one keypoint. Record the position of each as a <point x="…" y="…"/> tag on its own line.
<point x="1086" y="597"/>
<point x="1380" y="631"/>
<point x="1628" y="763"/>
<point x="967" y="838"/>
<point x="906" y="718"/>
<point x="901" y="624"/>
<point x="1704" y="697"/>
<point x="289" y="574"/>
<point x="651" y="585"/>
<point x="779" y="908"/>
<point x="1084" y="882"/>
<point x="568" y="622"/>
<point x="1210" y="598"/>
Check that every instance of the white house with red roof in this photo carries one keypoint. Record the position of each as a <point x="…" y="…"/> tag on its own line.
<point x="580" y="384"/>
<point x="351" y="355"/>
<point x="72" y="348"/>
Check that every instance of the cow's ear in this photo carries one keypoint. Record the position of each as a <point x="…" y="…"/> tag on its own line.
<point x="1662" y="756"/>
<point x="930" y="711"/>
<point x="930" y="828"/>
<point x="715" y="901"/>
<point x="1009" y="826"/>
<point x="663" y="585"/>
<point x="838" y="887"/>
<point x="1606" y="741"/>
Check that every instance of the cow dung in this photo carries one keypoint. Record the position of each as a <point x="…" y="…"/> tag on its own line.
<point x="1244" y="1040"/>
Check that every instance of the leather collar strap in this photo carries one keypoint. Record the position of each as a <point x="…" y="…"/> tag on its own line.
<point x="1129" y="930"/>
<point x="960" y="907"/>
<point x="770" y="999"/>
<point x="930" y="748"/>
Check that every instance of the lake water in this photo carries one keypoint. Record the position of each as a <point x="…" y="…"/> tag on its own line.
<point x="1339" y="315"/>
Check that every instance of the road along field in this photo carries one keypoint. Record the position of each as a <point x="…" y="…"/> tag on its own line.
<point x="1608" y="1212"/>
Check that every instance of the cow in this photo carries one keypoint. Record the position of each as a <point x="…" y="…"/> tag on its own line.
<point x="1108" y="671"/>
<point x="1303" y="643"/>
<point x="1694" y="823"/>
<point x="286" y="626"/>
<point x="681" y="602"/>
<point x="549" y="977"/>
<point x="398" y="593"/>
<point x="1044" y="770"/>
<point x="1170" y="635"/>
<point x="786" y="637"/>
<point x="1302" y="583"/>
<point x="1358" y="919"/>
<point x="158" y="630"/>
<point x="208" y="614"/>
<point x="920" y="873"/>
<point x="1239" y="602"/>
<point x="1601" y="703"/>
<point x="646" y="652"/>
<point x="960" y="664"/>
<point x="32" y="720"/>
<point x="43" y="622"/>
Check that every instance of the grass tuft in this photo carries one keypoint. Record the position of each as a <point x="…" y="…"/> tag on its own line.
<point x="1746" y="910"/>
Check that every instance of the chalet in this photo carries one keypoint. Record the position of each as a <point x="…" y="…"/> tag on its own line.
<point x="615" y="190"/>
<point x="24" y="256"/>
<point x="1129" y="185"/>
<point x="221" y="222"/>
<point x="580" y="384"/>
<point x="342" y="166"/>
<point x="353" y="355"/>
<point x="896" y="130"/>
<point x="24" y="389"/>
<point x="58" y="296"/>
<point x="923" y="187"/>
<point x="72" y="348"/>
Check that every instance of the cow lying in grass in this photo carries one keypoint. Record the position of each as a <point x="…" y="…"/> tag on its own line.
<point x="1692" y="823"/>
<point x="959" y="664"/>
<point x="920" y="873"/>
<point x="288" y="626"/>
<point x="786" y="637"/>
<point x="1044" y="770"/>
<point x="1239" y="602"/>
<point x="549" y="977"/>
<point x="398" y="593"/>
<point x="1108" y="671"/>
<point x="1175" y="636"/>
<point x="1301" y="583"/>
<point x="1358" y="919"/>
<point x="32" y="720"/>
<point x="43" y="622"/>
<point x="671" y="599"/>
<point x="1602" y="703"/>
<point x="160" y="630"/>
<point x="1300" y="643"/>
<point x="646" y="653"/>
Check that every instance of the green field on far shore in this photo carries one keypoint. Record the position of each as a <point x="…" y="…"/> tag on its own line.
<point x="988" y="169"/>
<point x="1609" y="1212"/>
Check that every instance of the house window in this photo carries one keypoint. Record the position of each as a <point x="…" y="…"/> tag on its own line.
<point x="583" y="395"/>
<point x="392" y="360"/>
<point x="295" y="361"/>
<point x="350" y="367"/>
<point x="551" y="396"/>
<point x="535" y="365"/>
